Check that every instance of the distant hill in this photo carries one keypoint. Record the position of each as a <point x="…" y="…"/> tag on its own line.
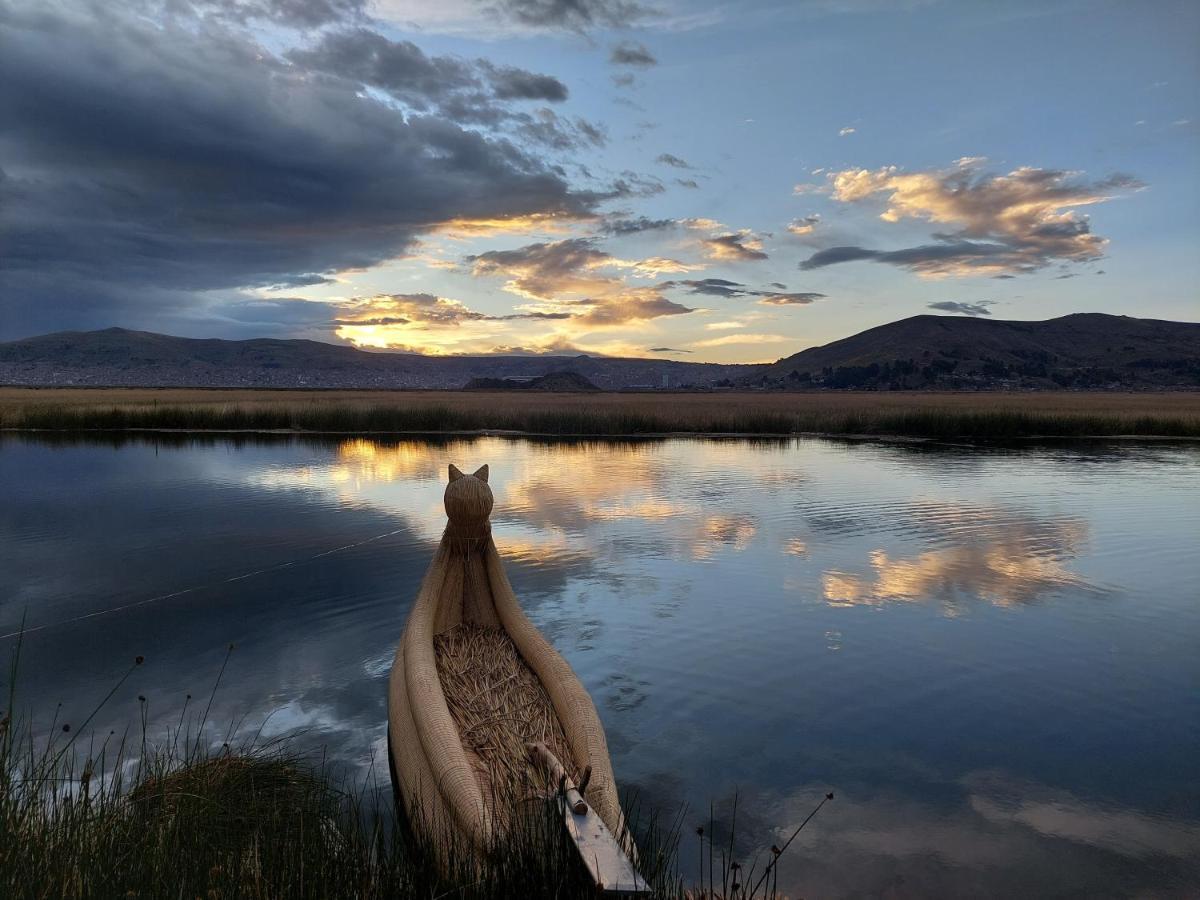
<point x="551" y="381"/>
<point x="116" y="357"/>
<point x="1086" y="350"/>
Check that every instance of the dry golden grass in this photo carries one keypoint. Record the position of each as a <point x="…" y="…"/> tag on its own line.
<point x="918" y="413"/>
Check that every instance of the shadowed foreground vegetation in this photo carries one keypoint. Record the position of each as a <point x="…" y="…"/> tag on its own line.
<point x="89" y="817"/>
<point x="994" y="416"/>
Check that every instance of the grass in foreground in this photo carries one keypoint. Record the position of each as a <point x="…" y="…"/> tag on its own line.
<point x="176" y="820"/>
<point x="994" y="416"/>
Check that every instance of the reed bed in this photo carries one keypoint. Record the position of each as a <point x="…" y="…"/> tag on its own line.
<point x="948" y="415"/>
<point x="499" y="706"/>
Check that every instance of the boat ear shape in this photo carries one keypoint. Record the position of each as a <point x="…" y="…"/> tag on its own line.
<point x="455" y="474"/>
<point x="482" y="473"/>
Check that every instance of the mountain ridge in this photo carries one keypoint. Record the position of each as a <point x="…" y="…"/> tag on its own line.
<point x="1087" y="350"/>
<point x="120" y="357"/>
<point x="1080" y="350"/>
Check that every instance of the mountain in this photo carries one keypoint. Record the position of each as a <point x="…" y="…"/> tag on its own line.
<point x="116" y="357"/>
<point x="552" y="381"/>
<point x="1085" y="350"/>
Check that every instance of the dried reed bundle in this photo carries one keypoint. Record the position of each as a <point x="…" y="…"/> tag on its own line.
<point x="499" y="705"/>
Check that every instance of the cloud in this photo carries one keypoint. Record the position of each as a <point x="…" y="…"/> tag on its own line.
<point x="701" y="224"/>
<point x="670" y="159"/>
<point x="472" y="93"/>
<point x="948" y="258"/>
<point x="716" y="287"/>
<point x="405" y="71"/>
<point x="689" y="183"/>
<point x="623" y="227"/>
<point x="571" y="15"/>
<point x="511" y="83"/>
<point x="1002" y="224"/>
<point x="742" y="245"/>
<point x="399" y="67"/>
<point x="147" y="165"/>
<point x="808" y="188"/>
<point x="566" y="275"/>
<point x="544" y="271"/>
<point x="632" y="184"/>
<point x="544" y="126"/>
<point x="804" y="226"/>
<point x="979" y="308"/>
<point x="558" y="346"/>
<point x="666" y="350"/>
<point x="628" y="53"/>
<point x="423" y="310"/>
<point x="293" y="13"/>
<point x="426" y="323"/>
<point x="631" y="305"/>
<point x="795" y="299"/>
<point x="722" y="287"/>
<point x="845" y="131"/>
<point x="741" y="338"/>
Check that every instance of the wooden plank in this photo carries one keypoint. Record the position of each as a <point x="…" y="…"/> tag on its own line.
<point x="605" y="859"/>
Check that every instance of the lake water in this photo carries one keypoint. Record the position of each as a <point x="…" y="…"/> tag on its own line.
<point x="991" y="656"/>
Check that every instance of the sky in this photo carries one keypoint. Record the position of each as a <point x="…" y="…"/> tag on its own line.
<point x="679" y="179"/>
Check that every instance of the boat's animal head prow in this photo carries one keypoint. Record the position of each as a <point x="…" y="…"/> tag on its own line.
<point x="468" y="497"/>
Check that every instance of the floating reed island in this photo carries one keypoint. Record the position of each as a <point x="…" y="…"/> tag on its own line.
<point x="485" y="716"/>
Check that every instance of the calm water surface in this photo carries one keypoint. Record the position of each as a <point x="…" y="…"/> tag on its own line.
<point x="991" y="656"/>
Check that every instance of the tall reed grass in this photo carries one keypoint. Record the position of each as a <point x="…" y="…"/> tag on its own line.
<point x="980" y="416"/>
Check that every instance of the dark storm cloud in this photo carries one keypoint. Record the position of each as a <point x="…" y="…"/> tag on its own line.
<point x="628" y="53"/>
<point x="511" y="83"/>
<point x="967" y="309"/>
<point x="723" y="287"/>
<point x="399" y="67"/>
<point x="670" y="159"/>
<point x="462" y="90"/>
<point x="570" y="15"/>
<point x="544" y="126"/>
<point x="143" y="164"/>
<point x="294" y="13"/>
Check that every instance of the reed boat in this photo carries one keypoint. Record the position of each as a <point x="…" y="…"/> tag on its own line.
<point x="481" y="708"/>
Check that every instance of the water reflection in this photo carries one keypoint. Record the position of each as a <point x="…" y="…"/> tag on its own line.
<point x="962" y="839"/>
<point x="1004" y="557"/>
<point x="767" y="617"/>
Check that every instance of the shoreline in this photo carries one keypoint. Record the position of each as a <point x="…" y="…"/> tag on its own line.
<point x="631" y="436"/>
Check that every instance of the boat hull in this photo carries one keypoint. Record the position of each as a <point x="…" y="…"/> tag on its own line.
<point x="436" y="781"/>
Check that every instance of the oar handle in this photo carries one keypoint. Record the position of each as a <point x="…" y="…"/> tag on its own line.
<point x="541" y="755"/>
